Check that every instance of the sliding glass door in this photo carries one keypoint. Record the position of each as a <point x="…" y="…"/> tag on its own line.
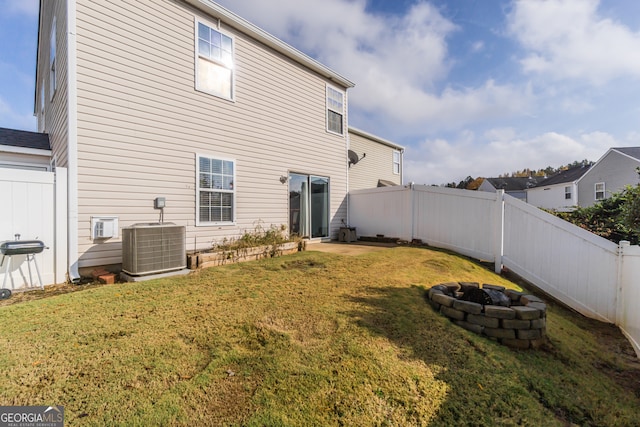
<point x="308" y="205"/>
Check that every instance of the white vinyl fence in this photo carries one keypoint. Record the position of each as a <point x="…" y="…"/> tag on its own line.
<point x="33" y="204"/>
<point x="588" y="273"/>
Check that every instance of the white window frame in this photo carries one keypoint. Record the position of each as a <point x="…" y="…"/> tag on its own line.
<point x="53" y="48"/>
<point x="227" y="191"/>
<point x="396" y="163"/>
<point x="332" y="108"/>
<point x="568" y="194"/>
<point x="197" y="57"/>
<point x="602" y="192"/>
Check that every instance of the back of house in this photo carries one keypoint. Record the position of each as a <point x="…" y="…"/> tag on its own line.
<point x="374" y="161"/>
<point x="184" y="100"/>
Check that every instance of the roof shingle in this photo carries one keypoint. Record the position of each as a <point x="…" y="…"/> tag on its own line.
<point x="24" y="139"/>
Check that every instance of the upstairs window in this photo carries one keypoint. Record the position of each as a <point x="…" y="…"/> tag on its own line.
<point x="52" y="60"/>
<point x="567" y="193"/>
<point x="335" y="110"/>
<point x="396" y="162"/>
<point x="215" y="201"/>
<point x="600" y="191"/>
<point x="214" y="62"/>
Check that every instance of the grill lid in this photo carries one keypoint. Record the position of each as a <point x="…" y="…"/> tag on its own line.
<point x="21" y="247"/>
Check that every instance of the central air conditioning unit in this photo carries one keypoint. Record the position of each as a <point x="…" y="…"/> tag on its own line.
<point x="150" y="248"/>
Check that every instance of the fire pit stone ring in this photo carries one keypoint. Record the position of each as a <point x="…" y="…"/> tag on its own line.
<point x="513" y="318"/>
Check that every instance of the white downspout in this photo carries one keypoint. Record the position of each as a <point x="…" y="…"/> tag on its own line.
<point x="72" y="149"/>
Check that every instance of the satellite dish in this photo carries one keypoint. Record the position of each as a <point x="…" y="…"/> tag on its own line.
<point x="353" y="157"/>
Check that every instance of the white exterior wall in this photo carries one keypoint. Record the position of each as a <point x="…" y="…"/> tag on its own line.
<point x="378" y="163"/>
<point x="615" y="169"/>
<point x="141" y="124"/>
<point x="553" y="197"/>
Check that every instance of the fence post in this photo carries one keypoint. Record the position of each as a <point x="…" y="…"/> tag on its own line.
<point x="413" y="211"/>
<point x="499" y="231"/>
<point x="620" y="282"/>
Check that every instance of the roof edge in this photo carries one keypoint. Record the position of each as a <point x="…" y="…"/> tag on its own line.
<point x="375" y="138"/>
<point x="35" y="86"/>
<point x="268" y="39"/>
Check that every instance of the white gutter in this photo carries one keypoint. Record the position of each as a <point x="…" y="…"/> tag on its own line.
<point x="72" y="147"/>
<point x="264" y="37"/>
<point x="376" y="138"/>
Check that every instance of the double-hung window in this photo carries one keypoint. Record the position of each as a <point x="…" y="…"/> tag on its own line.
<point x="52" y="60"/>
<point x="214" y="61"/>
<point x="567" y="192"/>
<point x="599" y="190"/>
<point x="335" y="110"/>
<point x="216" y="191"/>
<point x="396" y="162"/>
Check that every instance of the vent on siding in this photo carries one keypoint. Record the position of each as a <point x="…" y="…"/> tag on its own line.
<point x="153" y="248"/>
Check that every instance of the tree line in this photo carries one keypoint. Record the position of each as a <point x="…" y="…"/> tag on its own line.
<point x="471" y="183"/>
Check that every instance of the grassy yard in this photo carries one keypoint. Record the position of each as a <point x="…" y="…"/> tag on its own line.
<point x="303" y="340"/>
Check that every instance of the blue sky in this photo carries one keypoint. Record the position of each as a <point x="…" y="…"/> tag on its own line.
<point x="469" y="87"/>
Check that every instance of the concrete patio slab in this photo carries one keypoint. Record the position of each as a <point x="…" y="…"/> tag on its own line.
<point x="353" y="248"/>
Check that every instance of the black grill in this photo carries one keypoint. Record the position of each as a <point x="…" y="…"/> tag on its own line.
<point x="21" y="247"/>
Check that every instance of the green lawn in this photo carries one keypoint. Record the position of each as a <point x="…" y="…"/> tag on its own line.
<point x="307" y="339"/>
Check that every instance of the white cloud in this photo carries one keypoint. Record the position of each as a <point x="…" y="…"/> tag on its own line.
<point x="20" y="7"/>
<point x="569" y="39"/>
<point x="498" y="151"/>
<point x="477" y="46"/>
<point x="398" y="62"/>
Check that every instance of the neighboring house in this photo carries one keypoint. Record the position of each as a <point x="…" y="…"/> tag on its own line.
<point x="513" y="186"/>
<point x="615" y="170"/>
<point x="185" y="100"/>
<point x="378" y="162"/>
<point x="24" y="150"/>
<point x="559" y="191"/>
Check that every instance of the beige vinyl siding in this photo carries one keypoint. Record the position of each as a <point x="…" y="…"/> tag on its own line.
<point x="615" y="169"/>
<point x="141" y="123"/>
<point x="378" y="163"/>
<point x="56" y="109"/>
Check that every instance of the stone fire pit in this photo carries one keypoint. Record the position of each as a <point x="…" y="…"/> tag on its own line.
<point x="513" y="318"/>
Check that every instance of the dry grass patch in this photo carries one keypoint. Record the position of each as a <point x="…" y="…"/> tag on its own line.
<point x="307" y="339"/>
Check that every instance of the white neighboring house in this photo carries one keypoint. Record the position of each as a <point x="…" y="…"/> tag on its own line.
<point x="558" y="192"/>
<point x="610" y="174"/>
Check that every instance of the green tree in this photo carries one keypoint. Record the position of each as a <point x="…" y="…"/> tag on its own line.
<point x="615" y="218"/>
